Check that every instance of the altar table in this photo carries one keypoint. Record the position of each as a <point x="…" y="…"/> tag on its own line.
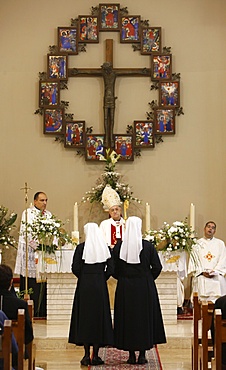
<point x="61" y="284"/>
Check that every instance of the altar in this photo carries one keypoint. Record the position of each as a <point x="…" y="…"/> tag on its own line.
<point x="61" y="284"/>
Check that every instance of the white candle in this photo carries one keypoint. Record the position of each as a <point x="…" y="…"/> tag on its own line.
<point x="76" y="216"/>
<point x="192" y="217"/>
<point x="148" y="217"/>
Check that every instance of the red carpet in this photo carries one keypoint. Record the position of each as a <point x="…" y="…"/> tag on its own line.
<point x="188" y="316"/>
<point x="115" y="359"/>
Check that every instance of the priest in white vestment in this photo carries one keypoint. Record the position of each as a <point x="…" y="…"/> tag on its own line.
<point x="39" y="289"/>
<point x="208" y="265"/>
<point x="114" y="227"/>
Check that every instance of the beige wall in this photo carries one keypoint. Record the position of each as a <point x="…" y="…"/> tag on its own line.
<point x="188" y="167"/>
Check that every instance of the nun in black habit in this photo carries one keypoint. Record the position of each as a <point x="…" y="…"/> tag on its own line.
<point x="138" y="323"/>
<point x="91" y="323"/>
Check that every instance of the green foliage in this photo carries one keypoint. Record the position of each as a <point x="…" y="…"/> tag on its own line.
<point x="178" y="236"/>
<point x="48" y="232"/>
<point x="112" y="178"/>
<point x="21" y="293"/>
<point x="6" y="226"/>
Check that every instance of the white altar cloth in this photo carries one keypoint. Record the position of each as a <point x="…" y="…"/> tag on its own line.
<point x="58" y="262"/>
<point x="176" y="261"/>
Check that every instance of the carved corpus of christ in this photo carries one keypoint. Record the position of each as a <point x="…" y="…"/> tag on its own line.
<point x="109" y="75"/>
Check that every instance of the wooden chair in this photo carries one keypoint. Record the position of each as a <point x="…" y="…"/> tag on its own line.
<point x="18" y="327"/>
<point x="31" y="348"/>
<point x="5" y="351"/>
<point x="202" y="313"/>
<point x="220" y="338"/>
<point x="205" y="350"/>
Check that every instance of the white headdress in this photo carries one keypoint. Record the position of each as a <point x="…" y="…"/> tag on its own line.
<point x="95" y="249"/>
<point x="110" y="197"/>
<point x="132" y="242"/>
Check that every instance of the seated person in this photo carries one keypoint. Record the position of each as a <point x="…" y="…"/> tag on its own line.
<point x="208" y="265"/>
<point x="10" y="304"/>
<point x="3" y="317"/>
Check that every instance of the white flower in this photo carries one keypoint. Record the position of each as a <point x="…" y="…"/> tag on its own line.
<point x="101" y="157"/>
<point x="178" y="223"/>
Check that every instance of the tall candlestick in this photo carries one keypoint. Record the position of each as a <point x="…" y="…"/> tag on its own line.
<point x="148" y="217"/>
<point x="76" y="216"/>
<point x="192" y="217"/>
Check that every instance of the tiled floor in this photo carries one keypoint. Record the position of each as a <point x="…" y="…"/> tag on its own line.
<point x="54" y="353"/>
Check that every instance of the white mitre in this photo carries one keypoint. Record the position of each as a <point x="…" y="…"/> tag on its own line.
<point x="110" y="197"/>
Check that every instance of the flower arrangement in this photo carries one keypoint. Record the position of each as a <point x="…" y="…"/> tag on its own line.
<point x="48" y="232"/>
<point x="111" y="177"/>
<point x="6" y="226"/>
<point x="178" y="236"/>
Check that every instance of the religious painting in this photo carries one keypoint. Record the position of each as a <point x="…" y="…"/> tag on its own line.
<point x="53" y="120"/>
<point x="123" y="145"/>
<point x="169" y="93"/>
<point x="161" y="67"/>
<point x="88" y="29"/>
<point x="151" y="40"/>
<point x="49" y="93"/>
<point x="57" y="66"/>
<point x="130" y="29"/>
<point x="74" y="134"/>
<point x="109" y="17"/>
<point x="164" y="121"/>
<point x="68" y="40"/>
<point x="94" y="147"/>
<point x="144" y="134"/>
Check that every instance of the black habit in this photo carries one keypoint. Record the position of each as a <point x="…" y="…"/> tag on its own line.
<point x="138" y="323"/>
<point x="91" y="316"/>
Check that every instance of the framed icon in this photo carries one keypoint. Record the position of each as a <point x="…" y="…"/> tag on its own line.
<point x="161" y="67"/>
<point x="144" y="134"/>
<point x="109" y="17"/>
<point x="164" y="121"/>
<point x="94" y="147"/>
<point x="68" y="40"/>
<point x="57" y="66"/>
<point x="74" y="134"/>
<point x="49" y="93"/>
<point x="53" y="120"/>
<point x="88" y="29"/>
<point x="169" y="93"/>
<point x="151" y="41"/>
<point x="124" y="146"/>
<point x="130" y="29"/>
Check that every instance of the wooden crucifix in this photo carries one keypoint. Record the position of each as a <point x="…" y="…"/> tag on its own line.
<point x="109" y="75"/>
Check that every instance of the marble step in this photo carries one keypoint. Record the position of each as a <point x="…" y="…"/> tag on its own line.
<point x="59" y="342"/>
<point x="49" y="335"/>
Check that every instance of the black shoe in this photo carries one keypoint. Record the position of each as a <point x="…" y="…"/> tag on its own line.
<point x="180" y="311"/>
<point x="142" y="360"/>
<point x="85" y="361"/>
<point x="132" y="359"/>
<point x="97" y="361"/>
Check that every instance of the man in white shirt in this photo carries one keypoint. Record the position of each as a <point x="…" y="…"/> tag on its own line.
<point x="113" y="228"/>
<point x="39" y="289"/>
<point x="208" y="265"/>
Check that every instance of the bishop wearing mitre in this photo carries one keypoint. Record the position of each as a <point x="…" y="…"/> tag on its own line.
<point x="113" y="228"/>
